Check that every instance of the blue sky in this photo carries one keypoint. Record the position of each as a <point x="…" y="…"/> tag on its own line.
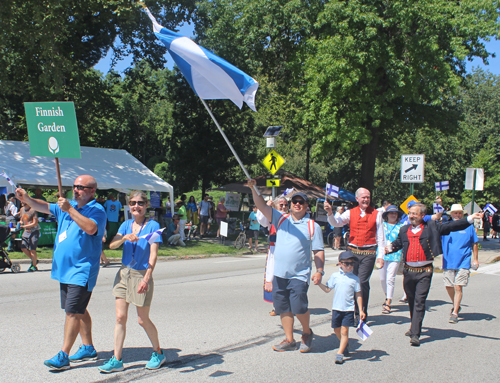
<point x="187" y="30"/>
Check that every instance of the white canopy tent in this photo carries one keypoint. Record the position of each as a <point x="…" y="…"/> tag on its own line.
<point x="112" y="169"/>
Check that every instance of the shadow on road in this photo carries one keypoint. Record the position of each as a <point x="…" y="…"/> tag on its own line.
<point x="319" y="311"/>
<point x="435" y="334"/>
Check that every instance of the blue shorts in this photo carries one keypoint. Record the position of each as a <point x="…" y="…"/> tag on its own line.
<point x="74" y="298"/>
<point x="342" y="318"/>
<point x="290" y="295"/>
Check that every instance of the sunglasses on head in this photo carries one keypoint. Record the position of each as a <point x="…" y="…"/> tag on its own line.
<point x="81" y="187"/>
<point x="138" y="203"/>
<point x="299" y="201"/>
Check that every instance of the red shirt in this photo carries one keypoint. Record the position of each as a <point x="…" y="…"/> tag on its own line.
<point x="415" y="252"/>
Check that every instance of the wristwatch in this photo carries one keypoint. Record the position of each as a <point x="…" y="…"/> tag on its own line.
<point x="322" y="272"/>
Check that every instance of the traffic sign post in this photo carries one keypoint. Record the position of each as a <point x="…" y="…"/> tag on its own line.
<point x="273" y="183"/>
<point x="53" y="131"/>
<point x="412" y="169"/>
<point x="474" y="180"/>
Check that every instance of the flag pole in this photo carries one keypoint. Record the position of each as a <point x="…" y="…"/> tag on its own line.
<point x="59" y="183"/>
<point x="228" y="143"/>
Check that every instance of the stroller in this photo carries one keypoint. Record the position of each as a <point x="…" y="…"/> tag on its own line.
<point x="5" y="262"/>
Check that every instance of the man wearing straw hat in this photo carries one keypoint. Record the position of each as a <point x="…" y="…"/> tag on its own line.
<point x="459" y="248"/>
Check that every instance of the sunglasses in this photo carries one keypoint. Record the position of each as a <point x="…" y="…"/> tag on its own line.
<point x="299" y="201"/>
<point x="348" y="263"/>
<point x="138" y="203"/>
<point x="81" y="187"/>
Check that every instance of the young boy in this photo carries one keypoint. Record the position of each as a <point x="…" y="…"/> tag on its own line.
<point x="346" y="286"/>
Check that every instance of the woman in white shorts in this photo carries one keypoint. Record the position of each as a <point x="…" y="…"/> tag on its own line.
<point x="134" y="281"/>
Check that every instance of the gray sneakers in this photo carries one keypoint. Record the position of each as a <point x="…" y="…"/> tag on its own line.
<point x="307" y="339"/>
<point x="453" y="319"/>
<point x="286" y="345"/>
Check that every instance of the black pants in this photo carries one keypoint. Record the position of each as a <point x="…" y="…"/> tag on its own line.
<point x="363" y="268"/>
<point x="417" y="285"/>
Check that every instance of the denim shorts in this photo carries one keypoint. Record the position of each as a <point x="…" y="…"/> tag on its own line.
<point x="342" y="318"/>
<point x="290" y="295"/>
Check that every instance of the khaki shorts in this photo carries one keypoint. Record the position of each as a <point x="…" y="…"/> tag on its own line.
<point x="126" y="285"/>
<point x="456" y="277"/>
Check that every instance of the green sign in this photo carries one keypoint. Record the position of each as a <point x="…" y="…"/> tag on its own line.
<point x="52" y="129"/>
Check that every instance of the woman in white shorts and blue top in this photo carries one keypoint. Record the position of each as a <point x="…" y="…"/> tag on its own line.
<point x="134" y="281"/>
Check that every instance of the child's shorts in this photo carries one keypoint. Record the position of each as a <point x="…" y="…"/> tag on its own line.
<point x="342" y="318"/>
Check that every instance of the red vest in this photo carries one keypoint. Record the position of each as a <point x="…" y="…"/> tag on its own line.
<point x="415" y="252"/>
<point x="363" y="230"/>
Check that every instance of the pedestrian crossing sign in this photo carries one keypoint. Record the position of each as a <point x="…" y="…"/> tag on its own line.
<point x="273" y="161"/>
<point x="273" y="183"/>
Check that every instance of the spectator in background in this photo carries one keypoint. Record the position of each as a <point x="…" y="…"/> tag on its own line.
<point x="337" y="231"/>
<point x="253" y="230"/>
<point x="181" y="212"/>
<point x="192" y="211"/>
<point x="12" y="213"/>
<point x="39" y="195"/>
<point x="221" y="214"/>
<point x="3" y="203"/>
<point x="212" y="213"/>
<point x="495" y="223"/>
<point x="204" y="214"/>
<point x="31" y="234"/>
<point x="486" y="224"/>
<point x="173" y="236"/>
<point x="384" y="206"/>
<point x="113" y="208"/>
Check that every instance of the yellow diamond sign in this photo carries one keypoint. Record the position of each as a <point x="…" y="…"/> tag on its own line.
<point x="404" y="205"/>
<point x="275" y="183"/>
<point x="273" y="161"/>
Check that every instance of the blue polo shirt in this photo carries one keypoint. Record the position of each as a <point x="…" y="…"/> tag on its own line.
<point x="253" y="225"/>
<point x="112" y="210"/>
<point x="345" y="286"/>
<point x="76" y="258"/>
<point x="292" y="253"/>
<point x="138" y="251"/>
<point x="457" y="248"/>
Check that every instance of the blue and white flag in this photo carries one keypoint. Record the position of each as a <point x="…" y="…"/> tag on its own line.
<point x="437" y="208"/>
<point x="152" y="237"/>
<point x="4" y="175"/>
<point x="363" y="331"/>
<point x="443" y="185"/>
<point x="210" y="76"/>
<point x="332" y="190"/>
<point x="492" y="209"/>
<point x="287" y="191"/>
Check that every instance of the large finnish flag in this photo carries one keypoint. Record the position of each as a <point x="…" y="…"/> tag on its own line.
<point x="210" y="76"/>
<point x="492" y="209"/>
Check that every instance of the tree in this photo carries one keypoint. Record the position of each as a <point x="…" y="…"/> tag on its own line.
<point x="377" y="65"/>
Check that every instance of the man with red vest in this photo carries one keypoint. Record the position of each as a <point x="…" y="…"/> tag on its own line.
<point x="366" y="239"/>
<point x="421" y="242"/>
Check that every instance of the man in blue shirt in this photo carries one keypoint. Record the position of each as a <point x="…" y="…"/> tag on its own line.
<point x="458" y="249"/>
<point x="296" y="237"/>
<point x="113" y="208"/>
<point x="75" y="263"/>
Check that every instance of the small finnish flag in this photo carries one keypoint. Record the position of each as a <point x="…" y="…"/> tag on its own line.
<point x="437" y="208"/>
<point x="152" y="237"/>
<point x="363" y="331"/>
<point x="4" y="175"/>
<point x="332" y="190"/>
<point x="492" y="209"/>
<point x="287" y="191"/>
<point x="443" y="185"/>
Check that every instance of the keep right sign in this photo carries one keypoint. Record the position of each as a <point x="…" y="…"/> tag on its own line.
<point x="412" y="168"/>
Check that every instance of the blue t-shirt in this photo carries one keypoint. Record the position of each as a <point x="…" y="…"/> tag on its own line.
<point x="457" y="248"/>
<point x="138" y="251"/>
<point x="345" y="286"/>
<point x="76" y="257"/>
<point x="253" y="225"/>
<point x="204" y="207"/>
<point x="292" y="253"/>
<point x="112" y="210"/>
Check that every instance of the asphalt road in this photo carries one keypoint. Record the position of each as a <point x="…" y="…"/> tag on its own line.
<point x="215" y="327"/>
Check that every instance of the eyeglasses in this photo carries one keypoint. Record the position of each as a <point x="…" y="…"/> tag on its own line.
<point x="348" y="263"/>
<point x="138" y="203"/>
<point x="299" y="201"/>
<point x="81" y="187"/>
<point x="283" y="204"/>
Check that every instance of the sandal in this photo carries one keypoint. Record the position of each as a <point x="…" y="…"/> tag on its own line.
<point x="386" y="309"/>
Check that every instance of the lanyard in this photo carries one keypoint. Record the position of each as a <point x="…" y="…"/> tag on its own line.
<point x="134" y="245"/>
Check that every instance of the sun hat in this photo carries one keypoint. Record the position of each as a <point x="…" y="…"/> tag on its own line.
<point x="456" y="207"/>
<point x="391" y="208"/>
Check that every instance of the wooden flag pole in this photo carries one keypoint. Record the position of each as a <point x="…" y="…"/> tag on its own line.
<point x="59" y="182"/>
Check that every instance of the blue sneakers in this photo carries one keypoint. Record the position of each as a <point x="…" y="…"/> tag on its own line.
<point x="58" y="362"/>
<point x="84" y="353"/>
<point x="156" y="361"/>
<point x="112" y="365"/>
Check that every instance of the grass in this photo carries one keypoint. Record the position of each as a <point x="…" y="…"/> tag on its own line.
<point x="192" y="249"/>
